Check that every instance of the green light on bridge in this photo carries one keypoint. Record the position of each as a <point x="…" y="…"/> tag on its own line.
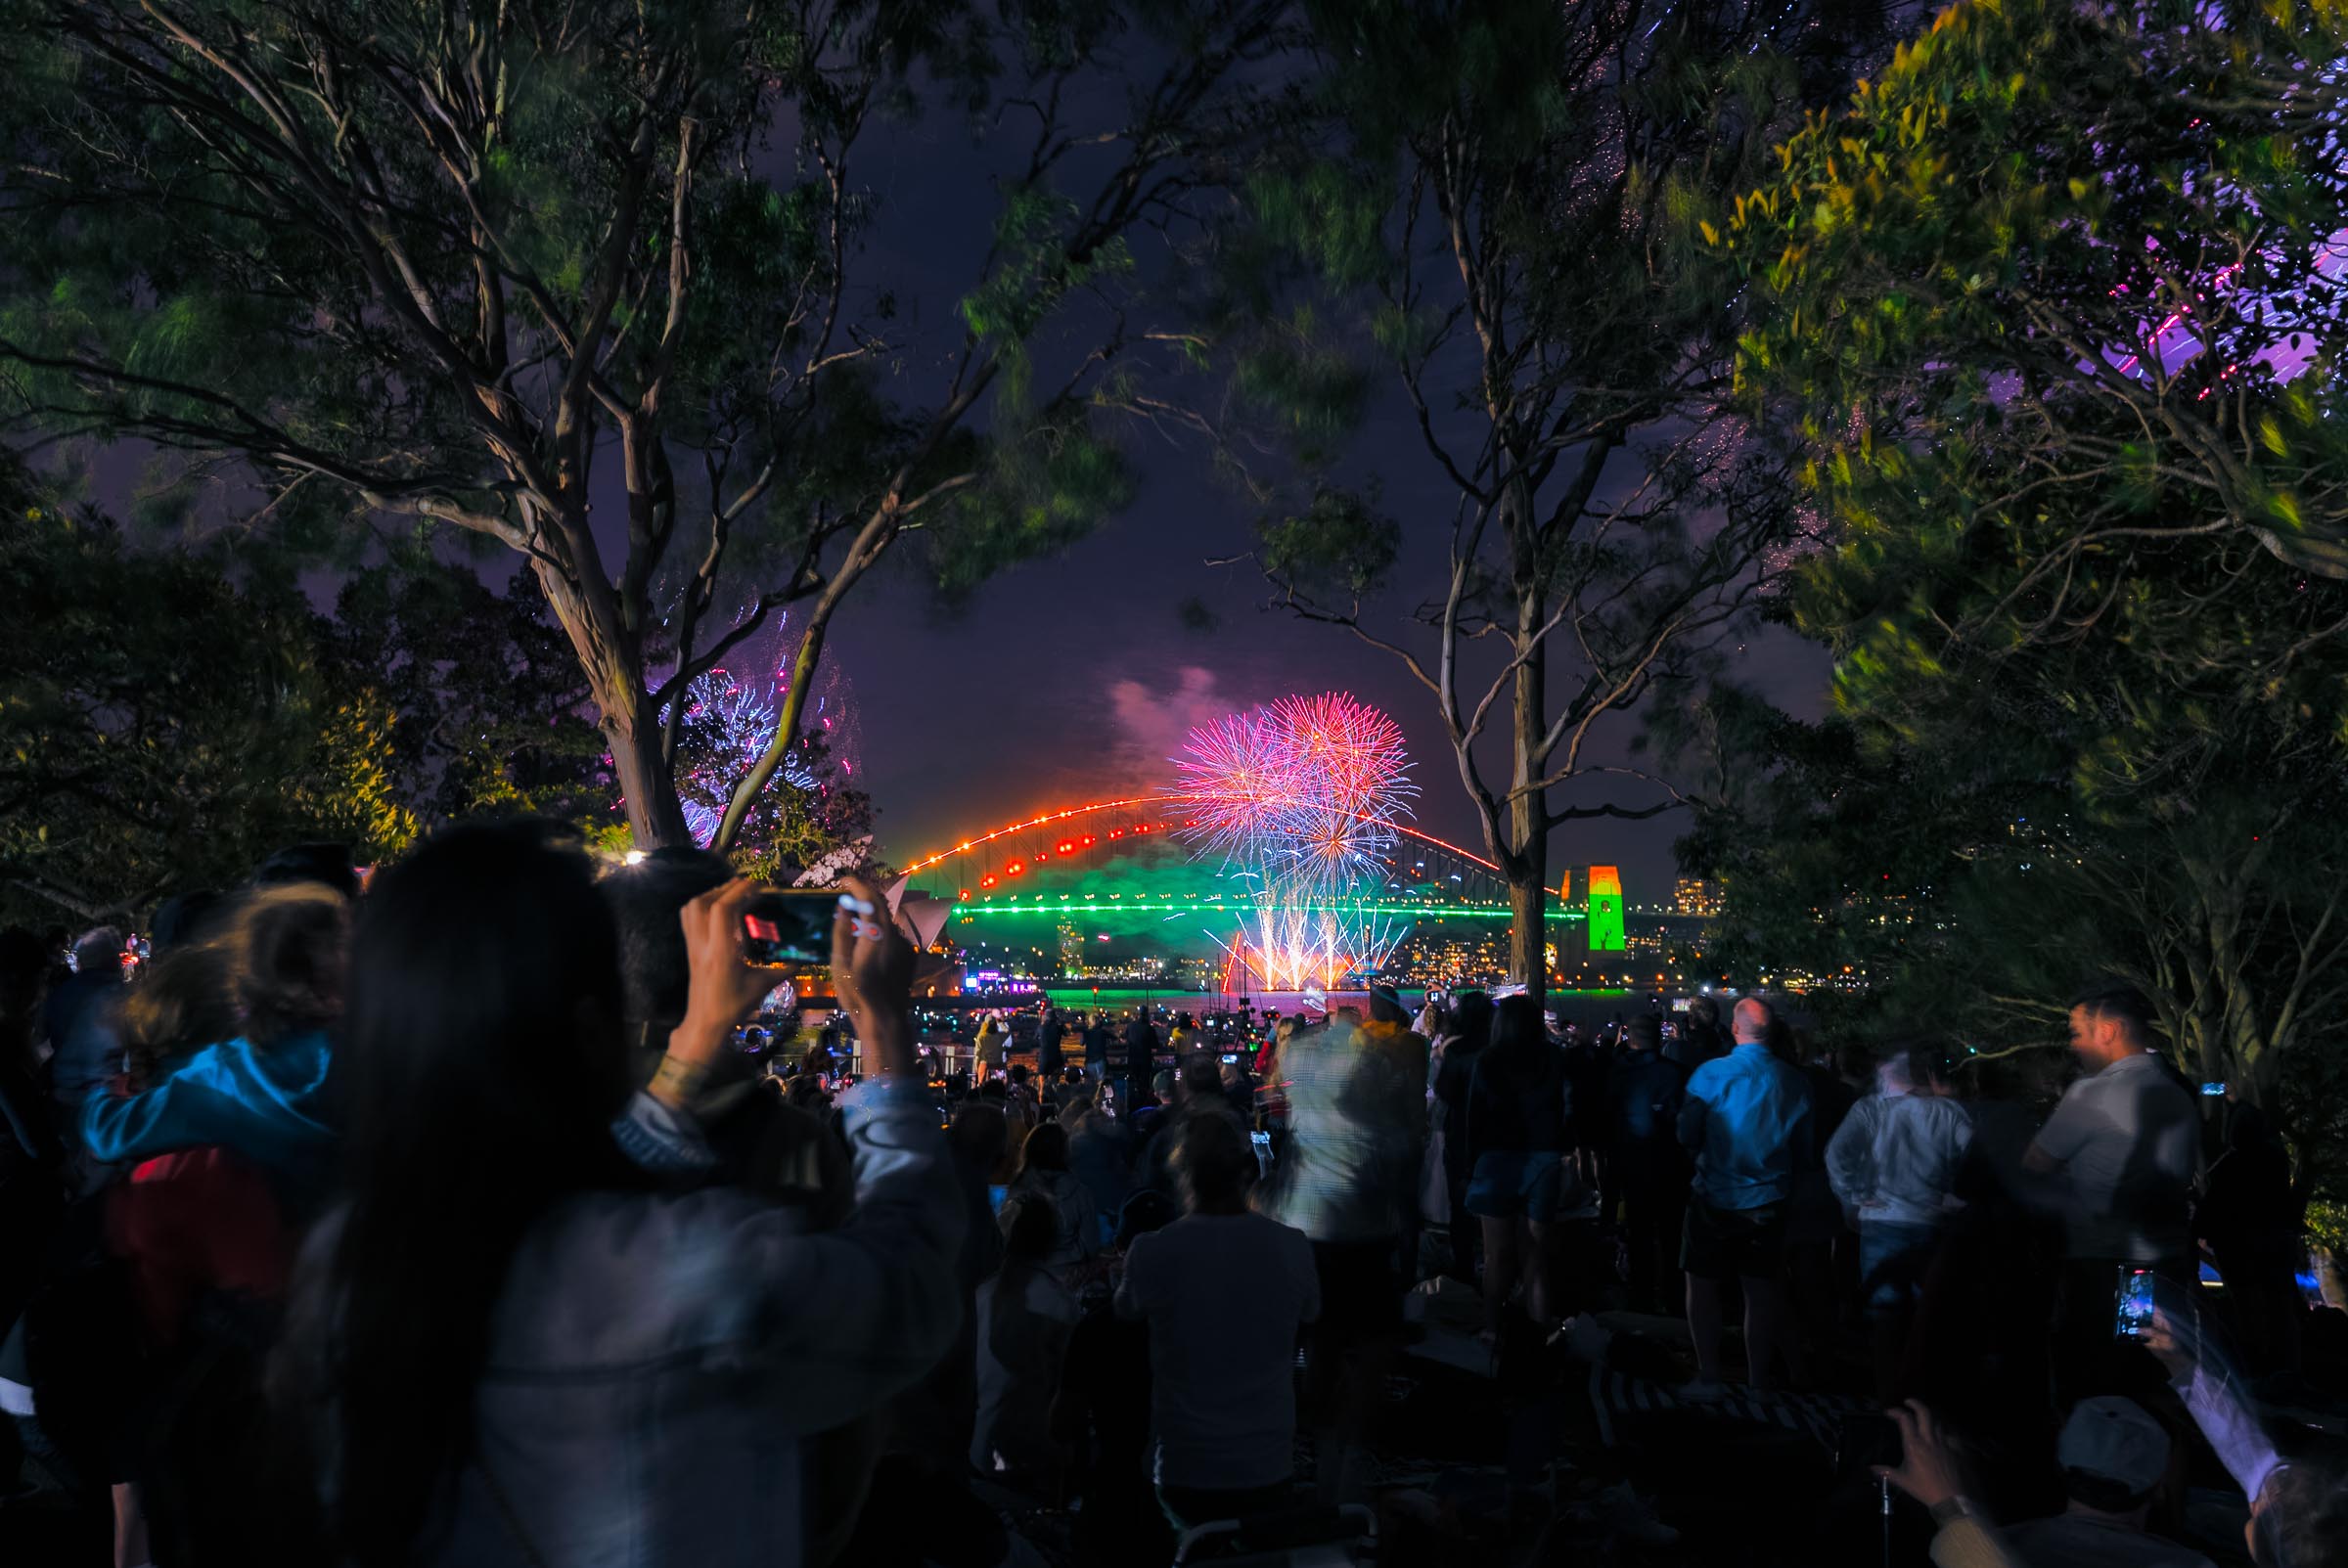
<point x="1196" y="906"/>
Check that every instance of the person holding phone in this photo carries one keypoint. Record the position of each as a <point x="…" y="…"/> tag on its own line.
<point x="2299" y="1506"/>
<point x="534" y="1331"/>
<point x="2117" y="1159"/>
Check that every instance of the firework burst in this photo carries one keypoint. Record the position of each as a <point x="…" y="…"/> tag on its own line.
<point x="730" y="725"/>
<point x="1299" y="800"/>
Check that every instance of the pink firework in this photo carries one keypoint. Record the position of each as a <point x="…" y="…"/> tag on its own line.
<point x="1300" y="800"/>
<point x="1348" y="784"/>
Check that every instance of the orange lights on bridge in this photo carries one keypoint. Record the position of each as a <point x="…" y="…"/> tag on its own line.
<point x="969" y="844"/>
<point x="1075" y="843"/>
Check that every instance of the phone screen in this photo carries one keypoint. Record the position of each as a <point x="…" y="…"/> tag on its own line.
<point x="788" y="928"/>
<point x="1864" y="1440"/>
<point x="2134" y="1303"/>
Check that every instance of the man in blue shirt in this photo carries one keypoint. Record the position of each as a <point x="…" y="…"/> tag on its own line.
<point x="1746" y="1121"/>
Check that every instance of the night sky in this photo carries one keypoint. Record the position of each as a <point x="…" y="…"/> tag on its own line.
<point x="1067" y="678"/>
<point x="1075" y="678"/>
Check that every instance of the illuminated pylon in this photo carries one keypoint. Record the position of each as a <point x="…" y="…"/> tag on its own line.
<point x="1605" y="909"/>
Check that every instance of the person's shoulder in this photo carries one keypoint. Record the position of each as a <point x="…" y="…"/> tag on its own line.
<point x="1952" y="1110"/>
<point x="1281" y="1235"/>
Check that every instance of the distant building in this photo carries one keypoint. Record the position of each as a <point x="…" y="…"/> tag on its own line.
<point x="1603" y="928"/>
<point x="1695" y="895"/>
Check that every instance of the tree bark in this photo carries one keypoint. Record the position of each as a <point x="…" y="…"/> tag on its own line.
<point x="624" y="713"/>
<point x="1527" y="862"/>
<point x="655" y="818"/>
<point x="1528" y="938"/>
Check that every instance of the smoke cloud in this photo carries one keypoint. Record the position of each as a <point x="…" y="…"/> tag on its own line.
<point x="1152" y="725"/>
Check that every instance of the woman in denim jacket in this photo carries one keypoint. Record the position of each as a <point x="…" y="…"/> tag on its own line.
<point x="529" y="1335"/>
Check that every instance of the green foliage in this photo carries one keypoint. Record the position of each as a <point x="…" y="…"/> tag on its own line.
<point x="1315" y="390"/>
<point x="2056" y="252"/>
<point x="1040" y="488"/>
<point x="163" y="728"/>
<point x="1342" y="545"/>
<point x="2043" y="304"/>
<point x="493" y="712"/>
<point x="391" y="260"/>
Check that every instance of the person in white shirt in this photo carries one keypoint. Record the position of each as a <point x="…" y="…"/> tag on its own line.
<point x="1225" y="1292"/>
<point x="2117" y="1160"/>
<point x="1893" y="1162"/>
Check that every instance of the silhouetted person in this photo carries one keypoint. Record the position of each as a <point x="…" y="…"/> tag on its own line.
<point x="1699" y="1039"/>
<point x="1455" y="1053"/>
<point x="2251" y="1217"/>
<point x="1136" y="1060"/>
<point x="1050" y="1051"/>
<point x="1518" y="1121"/>
<point x="1650" y="1169"/>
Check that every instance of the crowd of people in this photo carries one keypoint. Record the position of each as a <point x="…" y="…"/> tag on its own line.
<point x="493" y="1213"/>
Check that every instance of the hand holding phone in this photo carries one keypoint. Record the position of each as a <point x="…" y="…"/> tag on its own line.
<point x="2160" y="1338"/>
<point x="871" y="969"/>
<point x="2134" y="1313"/>
<point x="1927" y="1469"/>
<point x="723" y="989"/>
<point x="787" y="928"/>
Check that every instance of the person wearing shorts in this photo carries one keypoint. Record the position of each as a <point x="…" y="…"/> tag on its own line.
<point x="1517" y="1184"/>
<point x="1746" y="1121"/>
<point x="1719" y="1244"/>
<point x="1517" y="1117"/>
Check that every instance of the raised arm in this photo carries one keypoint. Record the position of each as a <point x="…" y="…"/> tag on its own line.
<point x="848" y="1315"/>
<point x="220" y="1095"/>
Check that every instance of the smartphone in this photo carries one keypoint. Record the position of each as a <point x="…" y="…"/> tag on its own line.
<point x="788" y="928"/>
<point x="1866" y="1440"/>
<point x="2213" y="1089"/>
<point x="1229" y="1060"/>
<point x="2135" y="1309"/>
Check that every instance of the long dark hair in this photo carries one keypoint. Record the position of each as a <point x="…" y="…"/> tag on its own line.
<point x="1045" y="1149"/>
<point x="485" y="1064"/>
<point x="1519" y="1048"/>
<point x="1471" y="1020"/>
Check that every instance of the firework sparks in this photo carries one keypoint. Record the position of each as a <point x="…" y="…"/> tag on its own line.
<point x="1301" y="800"/>
<point x="733" y="724"/>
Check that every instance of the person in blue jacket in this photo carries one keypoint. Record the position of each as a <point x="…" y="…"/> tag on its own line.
<point x="261" y="1093"/>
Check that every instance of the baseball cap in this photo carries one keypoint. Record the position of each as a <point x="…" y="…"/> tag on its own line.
<point x="2111" y="1439"/>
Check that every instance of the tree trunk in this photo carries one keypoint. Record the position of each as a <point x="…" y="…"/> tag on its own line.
<point x="1527" y="862"/>
<point x="1528" y="937"/>
<point x="624" y="713"/>
<point x="656" y="819"/>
